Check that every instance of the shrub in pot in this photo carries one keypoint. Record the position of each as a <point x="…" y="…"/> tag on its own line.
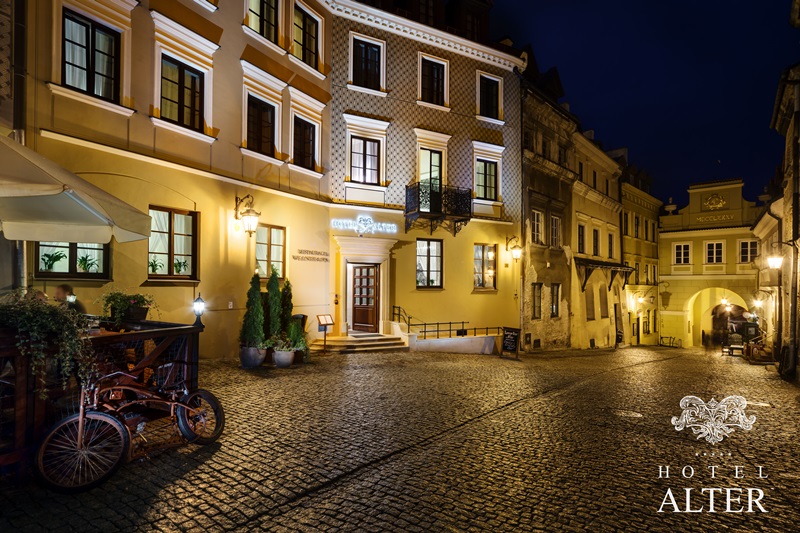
<point x="297" y="337"/>
<point x="121" y="306"/>
<point x="251" y="336"/>
<point x="283" y="350"/>
<point x="274" y="303"/>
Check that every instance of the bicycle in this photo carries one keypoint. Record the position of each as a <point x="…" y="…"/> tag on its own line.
<point x="84" y="450"/>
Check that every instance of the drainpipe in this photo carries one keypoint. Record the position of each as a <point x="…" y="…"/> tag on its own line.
<point x="779" y="328"/>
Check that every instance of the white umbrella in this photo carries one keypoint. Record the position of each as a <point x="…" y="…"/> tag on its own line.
<point x="41" y="201"/>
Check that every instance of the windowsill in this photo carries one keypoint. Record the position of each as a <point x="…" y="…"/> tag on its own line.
<point x="366" y="186"/>
<point x="481" y="290"/>
<point x="430" y="288"/>
<point x="484" y="201"/>
<point x="262" y="157"/>
<point x="433" y="106"/>
<point x="170" y="281"/>
<point x="91" y="100"/>
<point x="305" y="171"/>
<point x="263" y="40"/>
<point x="161" y="123"/>
<point x="490" y="120"/>
<point x="67" y="277"/>
<point x="205" y="4"/>
<point x="366" y="90"/>
<point x="305" y="66"/>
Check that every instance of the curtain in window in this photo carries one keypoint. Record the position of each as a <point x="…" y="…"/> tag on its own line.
<point x="76" y="53"/>
<point x="159" y="243"/>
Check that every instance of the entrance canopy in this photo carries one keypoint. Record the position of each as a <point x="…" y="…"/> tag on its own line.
<point x="41" y="201"/>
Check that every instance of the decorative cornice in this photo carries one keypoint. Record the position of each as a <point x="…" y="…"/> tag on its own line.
<point x="382" y="20"/>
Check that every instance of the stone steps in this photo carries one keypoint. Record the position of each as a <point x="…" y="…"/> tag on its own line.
<point x="366" y="343"/>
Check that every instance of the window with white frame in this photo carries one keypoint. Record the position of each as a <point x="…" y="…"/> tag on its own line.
<point x="433" y="84"/>
<point x="271" y="250"/>
<point x="183" y="80"/>
<point x="748" y="251"/>
<point x="262" y="125"/>
<point x="714" y="252"/>
<point x="555" y="300"/>
<point x="487" y="160"/>
<point x="431" y="167"/>
<point x="483" y="258"/>
<point x="261" y="117"/>
<point x="489" y="96"/>
<point x="367" y="62"/>
<point x="430" y="258"/>
<point x="366" y="149"/>
<point x="555" y="231"/>
<point x="682" y="254"/>
<point x="306" y="36"/>
<point x="263" y="18"/>
<point x="537" y="221"/>
<point x="306" y="128"/>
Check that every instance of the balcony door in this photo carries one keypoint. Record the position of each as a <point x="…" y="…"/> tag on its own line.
<point x="366" y="283"/>
<point x="430" y="180"/>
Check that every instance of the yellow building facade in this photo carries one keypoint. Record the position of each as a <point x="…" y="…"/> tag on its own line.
<point x="708" y="256"/>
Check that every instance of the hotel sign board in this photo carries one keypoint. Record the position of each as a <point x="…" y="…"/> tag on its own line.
<point x="363" y="225"/>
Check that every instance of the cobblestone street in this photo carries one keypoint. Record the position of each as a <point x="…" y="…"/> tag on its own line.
<point x="566" y="441"/>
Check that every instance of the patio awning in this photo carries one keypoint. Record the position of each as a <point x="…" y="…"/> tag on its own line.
<point x="41" y="201"/>
<point x="585" y="268"/>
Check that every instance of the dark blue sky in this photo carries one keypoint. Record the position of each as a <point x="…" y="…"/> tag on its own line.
<point x="687" y="85"/>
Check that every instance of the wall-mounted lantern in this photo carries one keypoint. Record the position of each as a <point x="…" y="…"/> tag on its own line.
<point x="244" y="211"/>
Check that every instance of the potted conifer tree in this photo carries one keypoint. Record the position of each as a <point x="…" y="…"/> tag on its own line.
<point x="251" y="337"/>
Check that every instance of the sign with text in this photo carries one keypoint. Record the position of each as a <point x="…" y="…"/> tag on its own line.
<point x="363" y="225"/>
<point x="510" y="341"/>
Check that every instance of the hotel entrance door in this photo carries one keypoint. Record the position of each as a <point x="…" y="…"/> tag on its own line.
<point x="366" y="280"/>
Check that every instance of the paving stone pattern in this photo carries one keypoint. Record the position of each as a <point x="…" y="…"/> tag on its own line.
<point x="563" y="441"/>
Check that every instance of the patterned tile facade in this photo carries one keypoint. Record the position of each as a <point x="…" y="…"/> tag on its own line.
<point x="400" y="108"/>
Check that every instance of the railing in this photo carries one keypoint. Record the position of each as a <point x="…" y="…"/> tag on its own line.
<point x="444" y="201"/>
<point x="442" y="329"/>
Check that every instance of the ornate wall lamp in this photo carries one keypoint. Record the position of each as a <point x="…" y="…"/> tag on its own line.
<point x="244" y="211"/>
<point x="516" y="249"/>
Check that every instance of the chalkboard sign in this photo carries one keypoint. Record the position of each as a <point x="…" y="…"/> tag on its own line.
<point x="510" y="341"/>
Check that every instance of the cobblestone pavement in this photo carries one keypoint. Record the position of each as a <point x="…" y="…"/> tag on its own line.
<point x="567" y="441"/>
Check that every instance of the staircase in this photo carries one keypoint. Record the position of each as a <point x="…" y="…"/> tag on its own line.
<point x="357" y="342"/>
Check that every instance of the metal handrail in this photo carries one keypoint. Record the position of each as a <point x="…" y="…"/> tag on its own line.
<point x="439" y="328"/>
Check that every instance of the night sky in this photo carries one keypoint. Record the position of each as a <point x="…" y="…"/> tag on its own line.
<point x="687" y="85"/>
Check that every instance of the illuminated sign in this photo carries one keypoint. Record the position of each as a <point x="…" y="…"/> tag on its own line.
<point x="362" y="225"/>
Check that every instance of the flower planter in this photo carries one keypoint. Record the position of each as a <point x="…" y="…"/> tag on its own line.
<point x="251" y="357"/>
<point x="283" y="359"/>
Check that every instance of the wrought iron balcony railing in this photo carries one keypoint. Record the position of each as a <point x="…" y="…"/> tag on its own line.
<point x="438" y="204"/>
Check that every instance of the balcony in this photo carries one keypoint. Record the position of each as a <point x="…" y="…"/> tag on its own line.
<point x="438" y="205"/>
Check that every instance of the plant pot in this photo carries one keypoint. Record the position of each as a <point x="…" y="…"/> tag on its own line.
<point x="251" y="357"/>
<point x="282" y="359"/>
<point x="135" y="314"/>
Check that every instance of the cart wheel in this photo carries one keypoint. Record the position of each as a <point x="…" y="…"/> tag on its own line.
<point x="64" y="467"/>
<point x="204" y="422"/>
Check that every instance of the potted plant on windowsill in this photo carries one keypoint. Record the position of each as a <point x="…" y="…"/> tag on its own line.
<point x="120" y="306"/>
<point x="86" y="263"/>
<point x="180" y="266"/>
<point x="251" y="336"/>
<point x="154" y="265"/>
<point x="50" y="260"/>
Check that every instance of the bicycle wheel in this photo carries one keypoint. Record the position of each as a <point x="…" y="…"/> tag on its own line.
<point x="64" y="467"/>
<point x="204" y="422"/>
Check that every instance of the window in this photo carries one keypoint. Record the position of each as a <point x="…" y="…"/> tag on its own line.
<point x="646" y="231"/>
<point x="489" y="95"/>
<point x="713" y="252"/>
<point x="364" y="160"/>
<point x="271" y="250"/>
<point x="263" y="18"/>
<point x="636" y="226"/>
<point x="536" y="311"/>
<point x="430" y="179"/>
<point x="748" y="251"/>
<point x="581" y="239"/>
<point x="426" y="12"/>
<point x="173" y="243"/>
<point x="625" y="229"/>
<point x="607" y="191"/>
<point x="181" y="94"/>
<point x="306" y="37"/>
<point x="580" y="170"/>
<point x="545" y="148"/>
<point x="429" y="263"/>
<point x="594" y="179"/>
<point x="486" y="180"/>
<point x="537" y="220"/>
<point x="589" y="295"/>
<point x="555" y="299"/>
<point x="653" y="231"/>
<point x="603" y="302"/>
<point x="527" y="139"/>
<point x="260" y="126"/>
<point x="646" y="323"/>
<point x="595" y="242"/>
<point x="367" y="64"/>
<point x="655" y="275"/>
<point x="611" y="246"/>
<point x="562" y="156"/>
<point x="433" y="81"/>
<point x="682" y="254"/>
<point x="72" y="260"/>
<point x="305" y="145"/>
<point x="636" y="273"/>
<point x="91" y="57"/>
<point x="646" y="274"/>
<point x="555" y="231"/>
<point x="484" y="265"/>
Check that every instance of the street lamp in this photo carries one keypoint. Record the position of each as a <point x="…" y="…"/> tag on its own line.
<point x="775" y="261"/>
<point x="516" y="250"/>
<point x="244" y="211"/>
<point x="199" y="306"/>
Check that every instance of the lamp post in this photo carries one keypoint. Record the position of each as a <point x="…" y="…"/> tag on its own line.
<point x="199" y="306"/>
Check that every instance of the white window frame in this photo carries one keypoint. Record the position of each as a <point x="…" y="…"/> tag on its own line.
<point x="116" y="15"/>
<point x="674" y="247"/>
<point x="184" y="45"/>
<point x="382" y="44"/>
<point x="555" y="221"/>
<point x="372" y="129"/>
<point x="320" y="41"/>
<point x="739" y="250"/>
<point x="432" y="140"/>
<point x="537" y="223"/>
<point x="269" y="89"/>
<point x="310" y="110"/>
<point x="705" y="253"/>
<point x="500" y="121"/>
<point x="446" y="63"/>
<point x="207" y="5"/>
<point x="493" y="153"/>
<point x="275" y="47"/>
